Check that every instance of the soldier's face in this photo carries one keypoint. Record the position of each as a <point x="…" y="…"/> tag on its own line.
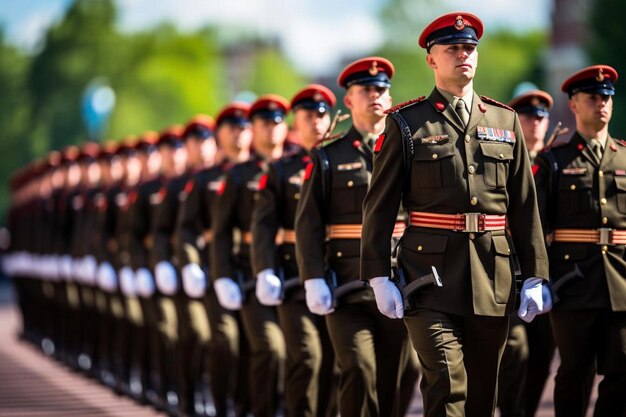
<point x="311" y="126"/>
<point x="367" y="101"/>
<point x="456" y="62"/>
<point x="591" y="110"/>
<point x="233" y="138"/>
<point x="534" y="127"/>
<point x="266" y="132"/>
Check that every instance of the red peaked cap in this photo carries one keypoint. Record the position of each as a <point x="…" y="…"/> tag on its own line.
<point x="598" y="79"/>
<point x="269" y="107"/>
<point x="314" y="97"/>
<point x="235" y="113"/>
<point x="452" y="28"/>
<point x="373" y="70"/>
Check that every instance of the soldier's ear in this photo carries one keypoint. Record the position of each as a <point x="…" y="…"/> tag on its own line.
<point x="430" y="60"/>
<point x="347" y="101"/>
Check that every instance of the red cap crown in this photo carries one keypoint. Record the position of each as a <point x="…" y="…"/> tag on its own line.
<point x="451" y="28"/>
<point x="373" y="70"/>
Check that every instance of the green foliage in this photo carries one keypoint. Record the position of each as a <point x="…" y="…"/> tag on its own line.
<point x="606" y="46"/>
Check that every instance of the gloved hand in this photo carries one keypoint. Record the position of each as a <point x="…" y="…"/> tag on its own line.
<point x="319" y="300"/>
<point x="268" y="288"/>
<point x="90" y="265"/>
<point x="165" y="276"/>
<point x="546" y="295"/>
<point x="127" y="282"/>
<point x="531" y="299"/>
<point x="144" y="282"/>
<point x="388" y="297"/>
<point x="228" y="293"/>
<point x="106" y="277"/>
<point x="194" y="280"/>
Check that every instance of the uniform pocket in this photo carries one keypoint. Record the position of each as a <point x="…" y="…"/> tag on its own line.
<point x="620" y="193"/>
<point x="433" y="166"/>
<point x="563" y="259"/>
<point x="574" y="194"/>
<point x="419" y="251"/>
<point x="349" y="189"/>
<point x="503" y="271"/>
<point x="496" y="160"/>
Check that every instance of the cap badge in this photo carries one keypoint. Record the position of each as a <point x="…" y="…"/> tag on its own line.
<point x="239" y="113"/>
<point x="534" y="102"/>
<point x="272" y="106"/>
<point x="459" y="23"/>
<point x="600" y="76"/>
<point x="374" y="69"/>
<point x="318" y="97"/>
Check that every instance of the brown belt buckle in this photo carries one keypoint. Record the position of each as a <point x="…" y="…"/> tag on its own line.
<point x="605" y="236"/>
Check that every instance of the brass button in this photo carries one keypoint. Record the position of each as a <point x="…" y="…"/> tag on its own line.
<point x="296" y="196"/>
<point x="350" y="183"/>
<point x="501" y="155"/>
<point x="605" y="220"/>
<point x="419" y="248"/>
<point x="472" y="236"/>
<point x="566" y="257"/>
<point x="605" y="248"/>
<point x="474" y="201"/>
<point x="508" y="250"/>
<point x="287" y="257"/>
<point x="572" y="187"/>
<point x="600" y="173"/>
<point x="603" y="200"/>
<point x="467" y="138"/>
<point x="435" y="156"/>
<point x="339" y="254"/>
<point x="471" y="169"/>
<point x="603" y="252"/>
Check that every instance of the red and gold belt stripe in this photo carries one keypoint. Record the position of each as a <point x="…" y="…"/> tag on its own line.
<point x="597" y="236"/>
<point x="246" y="237"/>
<point x="458" y="222"/>
<point x="354" y="231"/>
<point x="289" y="236"/>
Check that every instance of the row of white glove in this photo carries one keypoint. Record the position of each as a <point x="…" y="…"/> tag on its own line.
<point x="535" y="298"/>
<point x="51" y="267"/>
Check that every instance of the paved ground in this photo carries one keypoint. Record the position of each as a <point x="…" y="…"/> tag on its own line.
<point x="35" y="386"/>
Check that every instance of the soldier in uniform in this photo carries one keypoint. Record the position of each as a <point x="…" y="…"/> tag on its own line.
<point x="457" y="161"/>
<point x="371" y="350"/>
<point x="581" y="186"/>
<point x="530" y="346"/>
<point x="228" y="352"/>
<point x="232" y="270"/>
<point x="310" y="359"/>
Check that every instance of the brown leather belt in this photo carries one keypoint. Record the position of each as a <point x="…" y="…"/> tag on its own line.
<point x="603" y="236"/>
<point x="354" y="231"/>
<point x="465" y="222"/>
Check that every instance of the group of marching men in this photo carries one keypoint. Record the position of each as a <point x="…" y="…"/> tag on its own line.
<point x="237" y="266"/>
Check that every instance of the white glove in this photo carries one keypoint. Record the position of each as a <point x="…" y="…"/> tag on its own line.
<point x="268" y="288"/>
<point x="319" y="300"/>
<point x="165" y="276"/>
<point x="546" y="295"/>
<point x="194" y="280"/>
<point x="144" y="282"/>
<point x="228" y="293"/>
<point x="388" y="297"/>
<point x="531" y="302"/>
<point x="106" y="277"/>
<point x="90" y="265"/>
<point x="77" y="269"/>
<point x="127" y="282"/>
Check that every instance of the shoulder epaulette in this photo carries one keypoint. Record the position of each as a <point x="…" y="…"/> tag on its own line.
<point x="495" y="103"/>
<point x="620" y="141"/>
<point x="405" y="104"/>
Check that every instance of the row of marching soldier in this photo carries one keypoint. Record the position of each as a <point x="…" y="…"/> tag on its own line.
<point x="239" y="266"/>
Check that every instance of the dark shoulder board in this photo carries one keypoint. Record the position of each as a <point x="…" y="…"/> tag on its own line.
<point x="495" y="103"/>
<point x="405" y="104"/>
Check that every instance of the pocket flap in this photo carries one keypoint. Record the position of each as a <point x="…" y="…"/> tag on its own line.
<point x="433" y="152"/>
<point x="568" y="251"/>
<point x="573" y="183"/>
<point x="422" y="242"/>
<point x="348" y="179"/>
<point x="501" y="245"/>
<point x="620" y="183"/>
<point x="496" y="150"/>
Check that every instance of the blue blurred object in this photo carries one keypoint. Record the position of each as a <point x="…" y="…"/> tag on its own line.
<point x="96" y="106"/>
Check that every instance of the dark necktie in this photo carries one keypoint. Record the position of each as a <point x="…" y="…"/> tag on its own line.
<point x="461" y="110"/>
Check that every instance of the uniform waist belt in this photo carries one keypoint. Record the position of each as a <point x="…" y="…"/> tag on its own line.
<point x="289" y="236"/>
<point x="604" y="236"/>
<point x="465" y="222"/>
<point x="246" y="237"/>
<point x="354" y="231"/>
